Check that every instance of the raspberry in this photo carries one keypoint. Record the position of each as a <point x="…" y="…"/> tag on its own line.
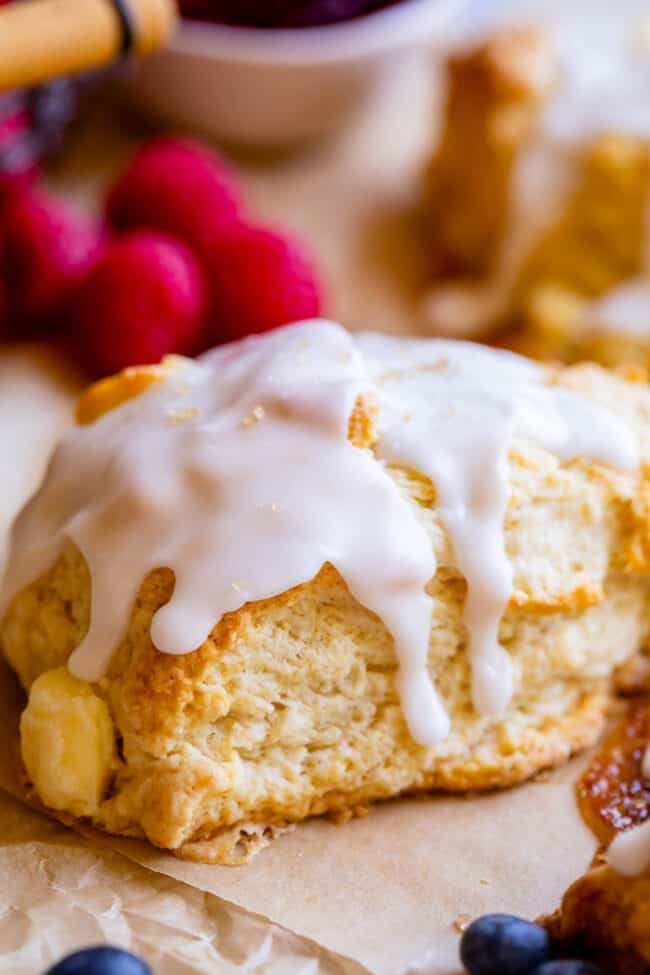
<point x="144" y="299"/>
<point x="260" y="279"/>
<point x="177" y="187"/>
<point x="46" y="251"/>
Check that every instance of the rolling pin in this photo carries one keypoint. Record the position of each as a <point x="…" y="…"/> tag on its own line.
<point x="44" y="39"/>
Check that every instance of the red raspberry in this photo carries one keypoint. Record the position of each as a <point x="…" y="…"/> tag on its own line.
<point x="178" y="187"/>
<point x="259" y="279"/>
<point x="143" y="300"/>
<point x="46" y="251"/>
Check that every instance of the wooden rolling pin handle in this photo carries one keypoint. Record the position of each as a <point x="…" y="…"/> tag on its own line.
<point x="44" y="39"/>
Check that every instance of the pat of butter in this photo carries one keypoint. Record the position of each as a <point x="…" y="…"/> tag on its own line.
<point x="68" y="743"/>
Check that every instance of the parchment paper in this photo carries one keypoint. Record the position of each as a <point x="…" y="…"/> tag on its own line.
<point x="59" y="892"/>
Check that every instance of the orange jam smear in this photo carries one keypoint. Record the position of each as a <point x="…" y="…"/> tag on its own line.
<point x="612" y="794"/>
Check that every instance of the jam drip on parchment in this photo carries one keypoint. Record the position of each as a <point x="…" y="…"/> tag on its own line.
<point x="612" y="794"/>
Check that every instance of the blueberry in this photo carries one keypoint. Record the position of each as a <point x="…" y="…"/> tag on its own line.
<point x="102" y="960"/>
<point x="568" y="966"/>
<point x="499" y="944"/>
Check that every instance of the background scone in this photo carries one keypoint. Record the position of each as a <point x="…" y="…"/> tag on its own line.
<point x="359" y="632"/>
<point x="538" y="196"/>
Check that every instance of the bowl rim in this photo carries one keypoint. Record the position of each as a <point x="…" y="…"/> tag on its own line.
<point x="405" y="22"/>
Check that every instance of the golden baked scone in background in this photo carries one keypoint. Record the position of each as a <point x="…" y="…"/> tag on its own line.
<point x="494" y="95"/>
<point x="293" y="521"/>
<point x="537" y="198"/>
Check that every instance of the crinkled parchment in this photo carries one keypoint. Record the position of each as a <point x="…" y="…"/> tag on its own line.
<point x="58" y="891"/>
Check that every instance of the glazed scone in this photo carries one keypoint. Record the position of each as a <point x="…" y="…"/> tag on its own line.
<point x="537" y="198"/>
<point x="312" y="571"/>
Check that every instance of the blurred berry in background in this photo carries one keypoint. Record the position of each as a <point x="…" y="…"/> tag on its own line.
<point x="280" y="13"/>
<point x="33" y="124"/>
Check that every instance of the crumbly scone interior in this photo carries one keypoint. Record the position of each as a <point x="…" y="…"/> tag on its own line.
<point x="289" y="708"/>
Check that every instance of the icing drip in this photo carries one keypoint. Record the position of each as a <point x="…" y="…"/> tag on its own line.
<point x="629" y="853"/>
<point x="239" y="476"/>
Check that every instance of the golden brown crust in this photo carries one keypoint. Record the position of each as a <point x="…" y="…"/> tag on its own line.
<point x="108" y="393"/>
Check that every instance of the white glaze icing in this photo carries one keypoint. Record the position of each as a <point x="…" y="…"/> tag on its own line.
<point x="603" y="87"/>
<point x="629" y="853"/>
<point x="238" y="475"/>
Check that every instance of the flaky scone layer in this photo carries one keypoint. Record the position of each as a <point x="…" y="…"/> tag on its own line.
<point x="289" y="708"/>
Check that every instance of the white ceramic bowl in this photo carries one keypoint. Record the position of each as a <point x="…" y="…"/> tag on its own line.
<point x="267" y="87"/>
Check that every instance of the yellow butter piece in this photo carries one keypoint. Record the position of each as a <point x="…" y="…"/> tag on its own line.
<point x="108" y="393"/>
<point x="68" y="743"/>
